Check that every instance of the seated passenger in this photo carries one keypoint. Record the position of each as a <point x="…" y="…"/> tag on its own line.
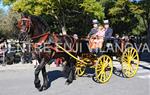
<point x="96" y="40"/>
<point x="94" y="30"/>
<point x="109" y="31"/>
<point x="100" y="36"/>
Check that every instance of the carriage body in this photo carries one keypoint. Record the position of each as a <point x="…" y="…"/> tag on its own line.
<point x="102" y="61"/>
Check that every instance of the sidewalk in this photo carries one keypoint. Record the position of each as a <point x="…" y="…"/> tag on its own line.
<point x="53" y="66"/>
<point x="28" y="66"/>
<point x="16" y="67"/>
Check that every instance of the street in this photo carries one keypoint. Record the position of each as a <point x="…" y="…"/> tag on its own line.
<point x="19" y="80"/>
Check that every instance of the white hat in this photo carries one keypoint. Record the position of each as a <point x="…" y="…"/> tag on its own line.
<point x="106" y="21"/>
<point x="95" y="21"/>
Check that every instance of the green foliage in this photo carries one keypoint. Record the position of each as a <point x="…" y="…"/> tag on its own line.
<point x="8" y="25"/>
<point x="94" y="7"/>
<point x="63" y="13"/>
<point x="8" y="2"/>
<point x="125" y="8"/>
<point x="124" y="15"/>
<point x="1" y="16"/>
<point x="145" y="5"/>
<point x="76" y="15"/>
<point x="140" y="28"/>
<point x="1" y="13"/>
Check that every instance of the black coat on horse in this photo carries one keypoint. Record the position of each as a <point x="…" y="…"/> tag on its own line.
<point x="35" y="29"/>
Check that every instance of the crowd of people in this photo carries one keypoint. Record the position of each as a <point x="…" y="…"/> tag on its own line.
<point x="10" y="52"/>
<point x="2" y="49"/>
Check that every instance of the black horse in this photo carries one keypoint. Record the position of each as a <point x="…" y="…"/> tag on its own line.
<point x="33" y="28"/>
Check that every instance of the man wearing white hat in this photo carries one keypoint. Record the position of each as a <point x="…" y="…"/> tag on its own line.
<point x="109" y="31"/>
<point x="95" y="27"/>
<point x="93" y="31"/>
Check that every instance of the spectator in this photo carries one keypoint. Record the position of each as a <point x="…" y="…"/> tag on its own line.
<point x="75" y="36"/>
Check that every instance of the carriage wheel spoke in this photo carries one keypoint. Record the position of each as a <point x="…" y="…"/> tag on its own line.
<point x="133" y="54"/>
<point x="125" y="60"/>
<point x="134" y="57"/>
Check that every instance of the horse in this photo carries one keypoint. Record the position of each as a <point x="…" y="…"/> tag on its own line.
<point x="35" y="27"/>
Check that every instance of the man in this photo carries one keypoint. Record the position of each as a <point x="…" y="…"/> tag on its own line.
<point x="94" y="29"/>
<point x="109" y="31"/>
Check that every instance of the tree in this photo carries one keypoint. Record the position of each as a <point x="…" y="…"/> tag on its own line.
<point x="8" y="25"/>
<point x="1" y="16"/>
<point x="75" y="15"/>
<point x="94" y="7"/>
<point x="145" y="5"/>
<point x="124" y="16"/>
<point x="1" y="12"/>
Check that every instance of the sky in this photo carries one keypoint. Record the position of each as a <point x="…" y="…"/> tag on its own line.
<point x="4" y="7"/>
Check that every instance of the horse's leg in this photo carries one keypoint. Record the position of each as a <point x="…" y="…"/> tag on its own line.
<point x="37" y="80"/>
<point x="71" y="73"/>
<point x="45" y="78"/>
<point x="37" y="71"/>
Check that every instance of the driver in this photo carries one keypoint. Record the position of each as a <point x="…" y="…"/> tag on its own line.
<point x="94" y="29"/>
<point x="91" y="35"/>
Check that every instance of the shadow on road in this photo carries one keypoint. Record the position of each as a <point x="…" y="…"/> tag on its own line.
<point x="145" y="57"/>
<point x="144" y="67"/>
<point x="54" y="75"/>
<point x="118" y="72"/>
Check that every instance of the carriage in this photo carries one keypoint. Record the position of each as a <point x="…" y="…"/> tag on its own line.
<point x="103" y="64"/>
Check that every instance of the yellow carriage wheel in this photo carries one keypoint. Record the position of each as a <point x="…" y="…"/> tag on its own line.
<point x="80" y="68"/>
<point x="104" y="69"/>
<point x="130" y="62"/>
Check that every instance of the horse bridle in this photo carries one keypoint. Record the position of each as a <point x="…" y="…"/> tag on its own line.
<point x="27" y="26"/>
<point x="28" y="23"/>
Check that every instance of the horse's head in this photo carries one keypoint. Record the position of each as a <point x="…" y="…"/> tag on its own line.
<point x="24" y="25"/>
<point x="31" y="26"/>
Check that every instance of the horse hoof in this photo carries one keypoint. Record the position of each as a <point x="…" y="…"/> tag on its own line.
<point x="37" y="84"/>
<point x="40" y="89"/>
<point x="68" y="82"/>
<point x="45" y="87"/>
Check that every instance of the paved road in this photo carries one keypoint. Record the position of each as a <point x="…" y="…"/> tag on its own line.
<point x="18" y="80"/>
